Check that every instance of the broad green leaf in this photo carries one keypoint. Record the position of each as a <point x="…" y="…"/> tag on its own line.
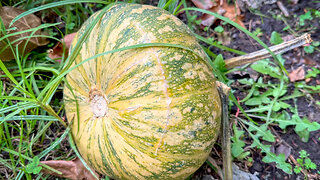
<point x="280" y="105"/>
<point x="220" y="64"/>
<point x="261" y="131"/>
<point x="219" y="29"/>
<point x="257" y="101"/>
<point x="284" y="120"/>
<point x="305" y="124"/>
<point x="280" y="160"/>
<point x="237" y="144"/>
<point x="309" y="164"/>
<point x="36" y="161"/>
<point x="308" y="49"/>
<point x="303" y="154"/>
<point x="297" y="169"/>
<point x="265" y="68"/>
<point x="246" y="81"/>
<point x="303" y="17"/>
<point x="36" y="170"/>
<point x="315" y="43"/>
<point x="33" y="166"/>
<point x="259" y="109"/>
<point x="264" y="148"/>
<point x="304" y="127"/>
<point x="275" y="92"/>
<point x="275" y="38"/>
<point x="313" y="73"/>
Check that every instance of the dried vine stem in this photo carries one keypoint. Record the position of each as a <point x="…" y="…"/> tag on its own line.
<point x="226" y="144"/>
<point x="262" y="54"/>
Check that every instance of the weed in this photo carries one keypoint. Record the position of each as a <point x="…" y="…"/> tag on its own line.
<point x="194" y="19"/>
<point x="311" y="47"/>
<point x="275" y="38"/>
<point x="304" y="163"/>
<point x="34" y="167"/>
<point x="313" y="73"/>
<point x="219" y="29"/>
<point x="237" y="144"/>
<point x="304" y="17"/>
<point x="267" y="102"/>
<point x="258" y="32"/>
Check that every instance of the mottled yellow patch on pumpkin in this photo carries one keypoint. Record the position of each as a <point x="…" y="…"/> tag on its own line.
<point x="165" y="29"/>
<point x="140" y="10"/>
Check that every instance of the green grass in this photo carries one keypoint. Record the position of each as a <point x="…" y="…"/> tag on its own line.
<point x="32" y="124"/>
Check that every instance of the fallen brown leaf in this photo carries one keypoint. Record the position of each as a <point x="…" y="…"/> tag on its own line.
<point x="308" y="80"/>
<point x="230" y="11"/>
<point x="73" y="170"/>
<point x="205" y="4"/>
<point x="30" y="21"/>
<point x="309" y="61"/>
<point x="297" y="74"/>
<point x="233" y="13"/>
<point x="57" y="51"/>
<point x="208" y="20"/>
<point x="283" y="149"/>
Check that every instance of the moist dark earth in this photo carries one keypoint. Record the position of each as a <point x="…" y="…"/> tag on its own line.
<point x="294" y="59"/>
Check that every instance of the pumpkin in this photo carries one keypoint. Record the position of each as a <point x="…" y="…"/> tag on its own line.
<point x="143" y="113"/>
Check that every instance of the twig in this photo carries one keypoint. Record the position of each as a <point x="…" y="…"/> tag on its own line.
<point x="283" y="9"/>
<point x="262" y="54"/>
<point x="213" y="163"/>
<point x="281" y="140"/>
<point x="297" y="164"/>
<point x="226" y="145"/>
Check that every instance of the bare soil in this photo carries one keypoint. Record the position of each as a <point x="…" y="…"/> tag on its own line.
<point x="294" y="59"/>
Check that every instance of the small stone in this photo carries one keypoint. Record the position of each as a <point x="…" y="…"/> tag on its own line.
<point x="208" y="177"/>
<point x="257" y="167"/>
<point x="253" y="4"/>
<point x="241" y="175"/>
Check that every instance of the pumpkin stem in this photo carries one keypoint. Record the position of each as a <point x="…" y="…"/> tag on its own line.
<point x="264" y="53"/>
<point x="226" y="145"/>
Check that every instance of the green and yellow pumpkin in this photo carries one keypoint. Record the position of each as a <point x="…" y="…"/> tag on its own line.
<point x="144" y="113"/>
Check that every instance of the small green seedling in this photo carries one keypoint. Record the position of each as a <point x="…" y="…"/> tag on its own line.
<point x="195" y="20"/>
<point x="219" y="29"/>
<point x="313" y="73"/>
<point x="258" y="32"/>
<point x="71" y="26"/>
<point x="237" y="150"/>
<point x="311" y="47"/>
<point x="34" y="167"/>
<point x="276" y="38"/>
<point x="304" y="17"/>
<point x="304" y="162"/>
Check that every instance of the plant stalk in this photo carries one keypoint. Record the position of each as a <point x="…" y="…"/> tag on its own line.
<point x="226" y="144"/>
<point x="264" y="53"/>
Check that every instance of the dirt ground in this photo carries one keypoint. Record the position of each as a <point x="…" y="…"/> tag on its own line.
<point x="294" y="59"/>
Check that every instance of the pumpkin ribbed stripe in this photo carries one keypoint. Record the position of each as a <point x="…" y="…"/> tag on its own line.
<point x="161" y="110"/>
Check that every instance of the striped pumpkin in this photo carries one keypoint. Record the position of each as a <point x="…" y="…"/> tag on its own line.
<point x="144" y="113"/>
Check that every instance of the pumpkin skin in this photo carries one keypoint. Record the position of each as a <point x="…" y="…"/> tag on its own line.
<point x="145" y="113"/>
